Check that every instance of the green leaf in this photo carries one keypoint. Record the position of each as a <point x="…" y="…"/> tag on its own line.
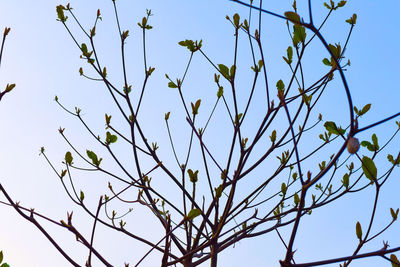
<point x="280" y="85"/>
<point x="283" y="188"/>
<point x="365" y="109"/>
<point x="82" y="196"/>
<point x="260" y="64"/>
<point x="172" y="85"/>
<point x="296" y="199"/>
<point x="352" y="20"/>
<point x="238" y="117"/>
<point x="220" y="91"/>
<point x="369" y="168"/>
<point x="218" y="191"/>
<point x="394" y="214"/>
<point x="390" y="158"/>
<point x="368" y="145"/>
<point x="68" y="158"/>
<point x="110" y="138"/>
<point x="9" y="87"/>
<point x="84" y="49"/>
<point x="395" y="261"/>
<point x="193" y="175"/>
<point x="5" y="265"/>
<point x="236" y="20"/>
<point x="108" y="119"/>
<point x="345" y="181"/>
<point x="273" y="136"/>
<point x="60" y="13"/>
<point x="327" y="6"/>
<point x="189" y="44"/>
<point x="293" y="17"/>
<point x="166" y="117"/>
<point x="375" y="141"/>
<point x="327" y="62"/>
<point x="232" y="71"/>
<point x="193" y="214"/>
<point x="289" y="53"/>
<point x="331" y="127"/>
<point x="224" y="70"/>
<point x="93" y="157"/>
<point x="356" y="110"/>
<point x="341" y="3"/>
<point x="195" y="107"/>
<point x="1" y="256"/>
<point x="299" y="34"/>
<point x="336" y="50"/>
<point x="358" y="230"/>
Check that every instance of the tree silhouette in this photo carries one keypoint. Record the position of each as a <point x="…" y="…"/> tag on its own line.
<point x="261" y="176"/>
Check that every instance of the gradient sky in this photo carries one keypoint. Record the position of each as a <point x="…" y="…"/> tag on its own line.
<point x="43" y="61"/>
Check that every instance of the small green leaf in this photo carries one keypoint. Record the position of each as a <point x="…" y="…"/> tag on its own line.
<point x="224" y="70"/>
<point x="1" y="256"/>
<point x="193" y="175"/>
<point x="60" y="13"/>
<point x="172" y="85"/>
<point x="94" y="158"/>
<point x="368" y="145"/>
<point x="193" y="214"/>
<point x="327" y="6"/>
<point x="232" y="71"/>
<point x="167" y="115"/>
<point x="280" y="85"/>
<point x="336" y="50"/>
<point x="236" y="20"/>
<point x="352" y="20"/>
<point x="341" y="3"/>
<point x="345" y="181"/>
<point x="394" y="214"/>
<point x="289" y="53"/>
<point x="223" y="174"/>
<point x="110" y="138"/>
<point x="218" y="191"/>
<point x="369" y="168"/>
<point x="195" y="107"/>
<point x="84" y="49"/>
<point x="296" y="199"/>
<point x="108" y="119"/>
<point x="293" y="17"/>
<point x="260" y="64"/>
<point x="220" y="91"/>
<point x="238" y="117"/>
<point x="395" y="261"/>
<point x="273" y="136"/>
<point x="283" y="188"/>
<point x="365" y="109"/>
<point x="9" y="87"/>
<point x="5" y="265"/>
<point x="68" y="158"/>
<point x="191" y="45"/>
<point x="375" y="141"/>
<point x="327" y="62"/>
<point x="299" y="34"/>
<point x="82" y="196"/>
<point x="331" y="127"/>
<point x="358" y="230"/>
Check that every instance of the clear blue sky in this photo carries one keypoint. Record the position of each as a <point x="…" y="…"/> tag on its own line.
<point x="43" y="61"/>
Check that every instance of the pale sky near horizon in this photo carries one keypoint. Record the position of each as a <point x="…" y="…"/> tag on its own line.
<point x="43" y="61"/>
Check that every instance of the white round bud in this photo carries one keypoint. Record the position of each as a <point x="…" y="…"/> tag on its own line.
<point x="353" y="145"/>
